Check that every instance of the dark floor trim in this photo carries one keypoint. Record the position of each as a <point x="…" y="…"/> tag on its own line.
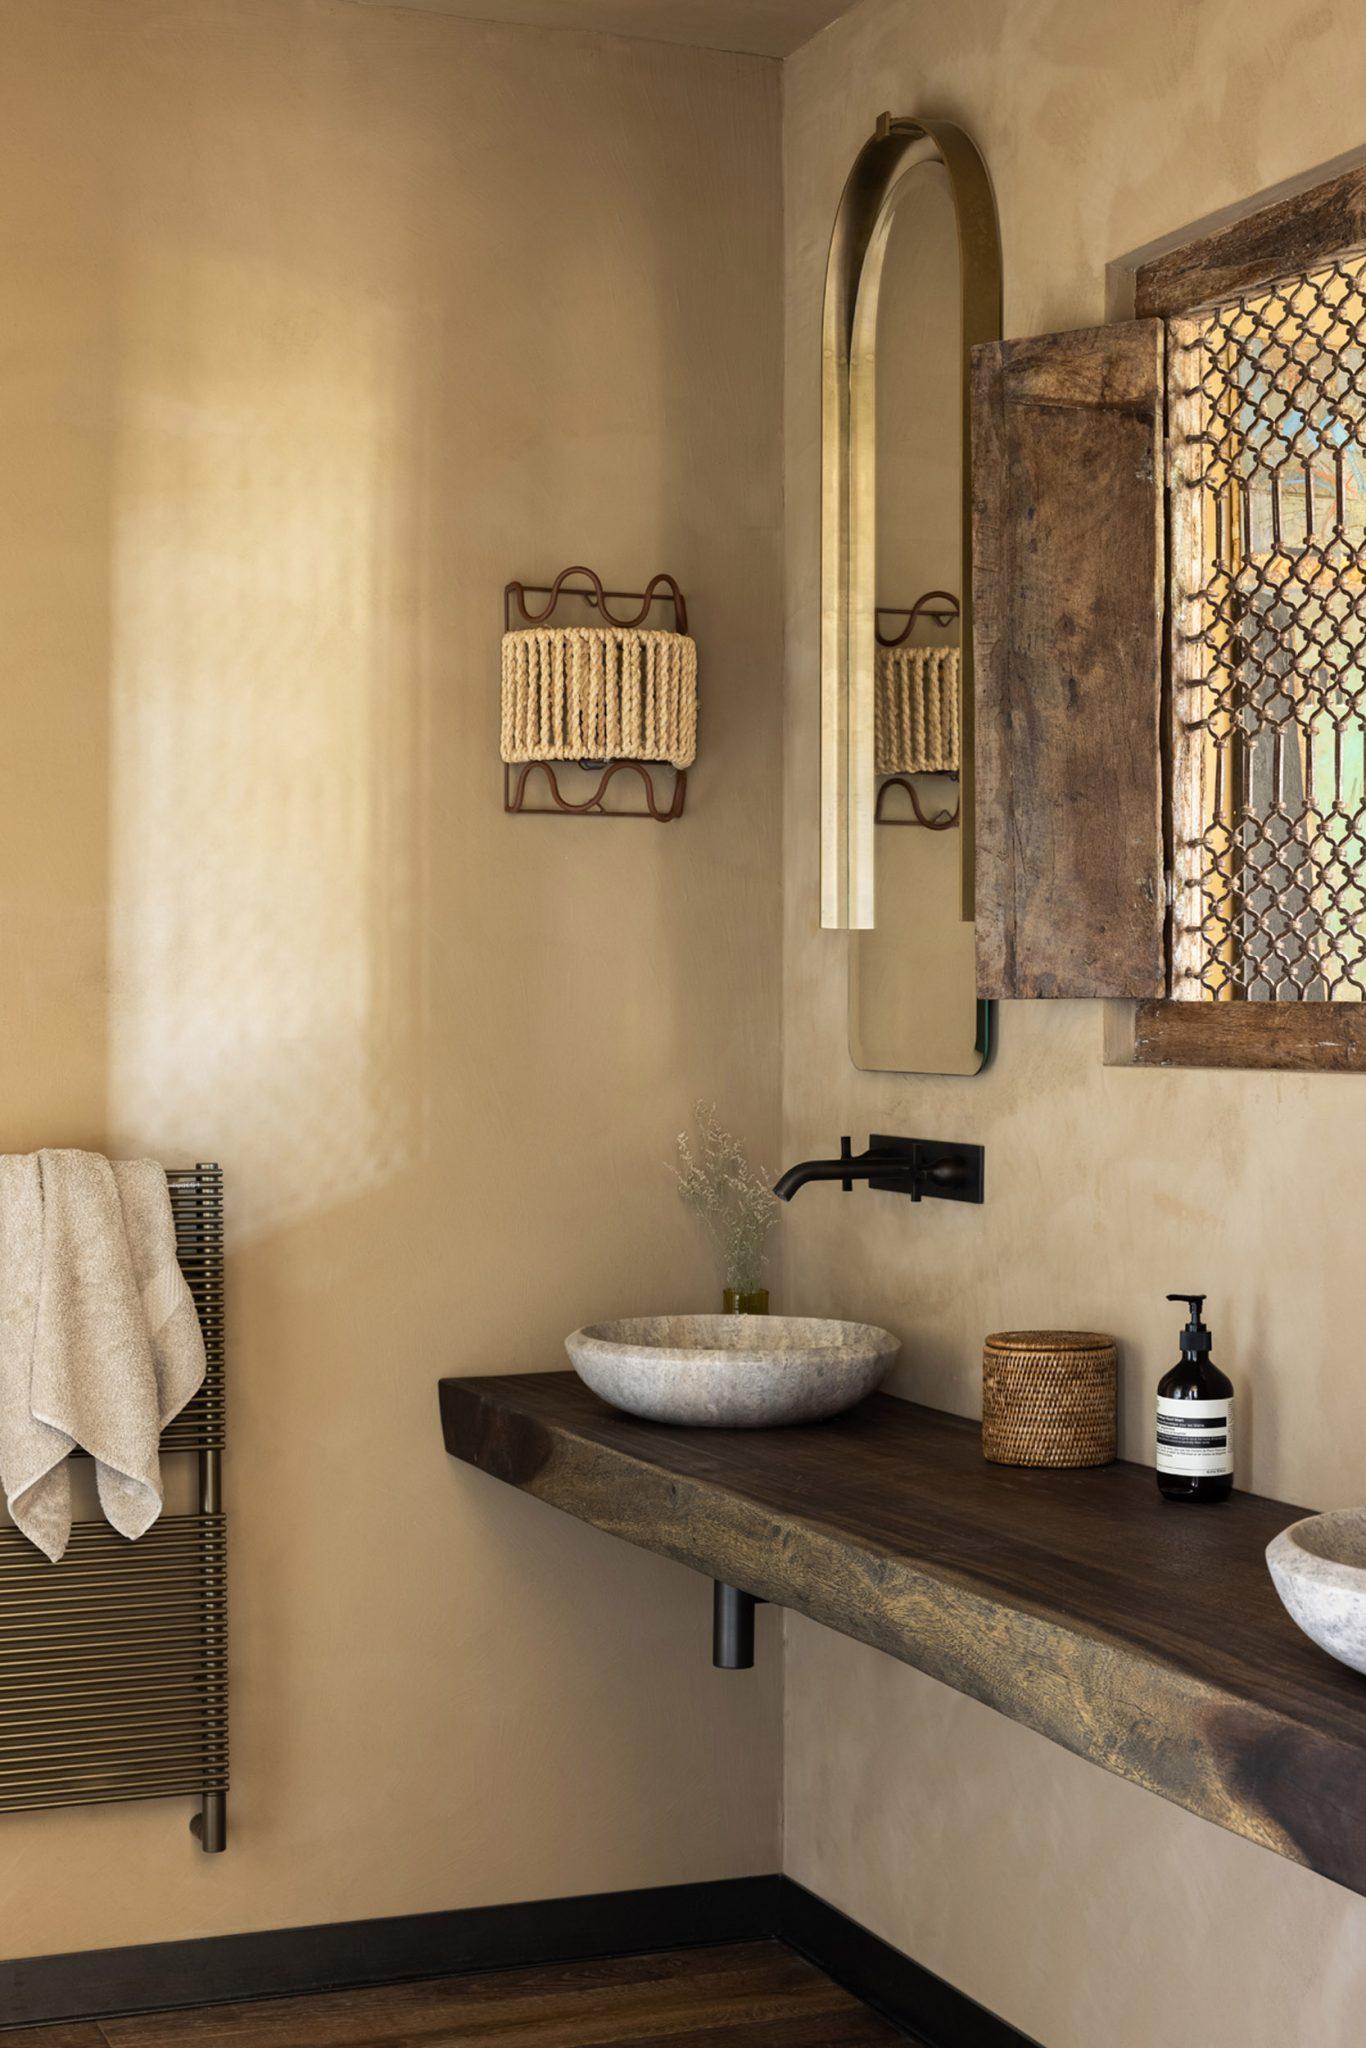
<point x="929" y="2008"/>
<point x="229" y="1967"/>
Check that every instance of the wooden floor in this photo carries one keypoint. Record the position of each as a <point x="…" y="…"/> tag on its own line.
<point x="758" y="1994"/>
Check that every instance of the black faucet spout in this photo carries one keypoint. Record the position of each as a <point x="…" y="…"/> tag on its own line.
<point x="899" y="1166"/>
<point x="863" y="1167"/>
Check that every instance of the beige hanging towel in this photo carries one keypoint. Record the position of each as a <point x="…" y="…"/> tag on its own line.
<point x="599" y="693"/>
<point x="915" y="711"/>
<point x="100" y="1344"/>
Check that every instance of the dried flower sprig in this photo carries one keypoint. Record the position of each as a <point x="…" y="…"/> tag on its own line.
<point x="735" y="1202"/>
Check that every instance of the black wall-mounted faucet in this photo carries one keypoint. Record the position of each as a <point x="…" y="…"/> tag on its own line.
<point x="898" y="1166"/>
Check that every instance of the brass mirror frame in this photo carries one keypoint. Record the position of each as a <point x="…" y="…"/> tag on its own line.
<point x="853" y="275"/>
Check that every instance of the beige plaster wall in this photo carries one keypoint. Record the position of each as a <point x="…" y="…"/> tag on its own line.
<point x="320" y="322"/>
<point x="1080" y="1908"/>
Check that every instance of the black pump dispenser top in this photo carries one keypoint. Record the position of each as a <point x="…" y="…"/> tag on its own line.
<point x="1195" y="1337"/>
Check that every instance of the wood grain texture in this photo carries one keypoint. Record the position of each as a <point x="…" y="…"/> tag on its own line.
<point x="1068" y="589"/>
<point x="1279" y="1037"/>
<point x="758" y="1993"/>
<point x="1144" y="1636"/>
<point x="1289" y="235"/>
<point x="78" y="2036"/>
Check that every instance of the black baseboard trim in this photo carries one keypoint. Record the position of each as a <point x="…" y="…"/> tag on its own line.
<point x="232" y="1968"/>
<point x="930" y="2009"/>
<point x="227" y="1968"/>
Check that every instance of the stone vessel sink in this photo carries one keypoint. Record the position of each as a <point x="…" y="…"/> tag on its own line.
<point x="731" y="1372"/>
<point x="1319" y="1568"/>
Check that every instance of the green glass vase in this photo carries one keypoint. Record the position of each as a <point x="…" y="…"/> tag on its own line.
<point x="738" y="1304"/>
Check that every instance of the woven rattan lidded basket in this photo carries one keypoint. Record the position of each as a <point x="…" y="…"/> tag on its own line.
<point x="1048" y="1398"/>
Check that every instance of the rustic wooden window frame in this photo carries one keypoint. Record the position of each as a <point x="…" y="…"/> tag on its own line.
<point x="1293" y="234"/>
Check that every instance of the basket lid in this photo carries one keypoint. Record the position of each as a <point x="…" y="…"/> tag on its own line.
<point x="1050" y="1340"/>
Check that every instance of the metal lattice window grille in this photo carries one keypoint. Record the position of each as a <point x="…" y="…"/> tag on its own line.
<point x="1267" y="404"/>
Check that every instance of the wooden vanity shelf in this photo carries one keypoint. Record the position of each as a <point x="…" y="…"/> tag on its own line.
<point x="1145" y="1637"/>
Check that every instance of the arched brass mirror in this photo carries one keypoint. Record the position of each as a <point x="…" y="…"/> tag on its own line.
<point x="913" y="283"/>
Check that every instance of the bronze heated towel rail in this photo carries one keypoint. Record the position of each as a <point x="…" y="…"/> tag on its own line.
<point x="113" y="1663"/>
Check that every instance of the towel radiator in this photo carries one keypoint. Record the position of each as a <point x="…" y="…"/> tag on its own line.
<point x="113" y="1663"/>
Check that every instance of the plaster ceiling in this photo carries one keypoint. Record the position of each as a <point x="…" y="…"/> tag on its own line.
<point x="770" y="28"/>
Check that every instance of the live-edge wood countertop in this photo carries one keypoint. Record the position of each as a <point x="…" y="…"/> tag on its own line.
<point x="1141" y="1634"/>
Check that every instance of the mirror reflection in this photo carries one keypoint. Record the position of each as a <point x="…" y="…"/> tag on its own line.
<point x="912" y="984"/>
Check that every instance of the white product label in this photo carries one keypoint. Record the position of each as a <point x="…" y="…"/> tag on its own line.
<point x="1195" y="1438"/>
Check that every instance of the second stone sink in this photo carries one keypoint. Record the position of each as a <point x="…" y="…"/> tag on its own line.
<point x="731" y="1372"/>
<point x="1319" y="1567"/>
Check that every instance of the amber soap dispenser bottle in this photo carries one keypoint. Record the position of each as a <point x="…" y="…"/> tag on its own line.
<point x="1195" y="1418"/>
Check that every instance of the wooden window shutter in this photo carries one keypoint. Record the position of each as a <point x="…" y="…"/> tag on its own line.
<point x="1068" y="600"/>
